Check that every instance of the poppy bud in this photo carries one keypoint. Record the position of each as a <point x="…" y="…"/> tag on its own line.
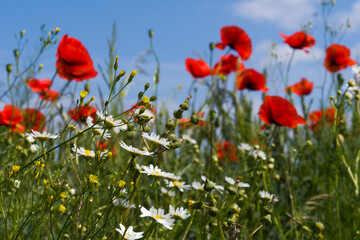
<point x="16" y="53"/>
<point x="153" y="98"/>
<point x="146" y="87"/>
<point x="9" y="68"/>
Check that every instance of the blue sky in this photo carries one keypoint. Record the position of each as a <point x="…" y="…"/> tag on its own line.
<point x="181" y="28"/>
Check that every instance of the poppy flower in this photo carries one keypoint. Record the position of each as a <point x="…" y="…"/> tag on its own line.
<point x="39" y="86"/>
<point x="279" y="111"/>
<point x="237" y="39"/>
<point x="88" y="111"/>
<point x="337" y="58"/>
<point x="227" y="65"/>
<point x="197" y="68"/>
<point x="304" y="87"/>
<point x="33" y="119"/>
<point x="226" y="150"/>
<point x="49" y="95"/>
<point x="299" y="40"/>
<point x="319" y="118"/>
<point x="252" y="80"/>
<point x="74" y="62"/>
<point x="11" y="116"/>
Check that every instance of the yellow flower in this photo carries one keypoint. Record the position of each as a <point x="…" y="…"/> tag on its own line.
<point x="63" y="195"/>
<point x="83" y="94"/>
<point x="93" y="179"/>
<point x="122" y="184"/>
<point x="45" y="181"/>
<point x="15" y="168"/>
<point x="145" y="99"/>
<point x="62" y="208"/>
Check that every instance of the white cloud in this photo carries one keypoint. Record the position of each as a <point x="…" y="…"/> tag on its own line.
<point x="289" y="14"/>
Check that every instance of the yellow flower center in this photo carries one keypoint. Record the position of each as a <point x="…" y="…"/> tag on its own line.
<point x="158" y="217"/>
<point x="177" y="183"/>
<point x="87" y="152"/>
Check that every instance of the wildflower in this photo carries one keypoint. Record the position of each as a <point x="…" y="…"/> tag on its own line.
<point x="266" y="195"/>
<point x="245" y="147"/>
<point x="109" y="121"/>
<point x="98" y="130"/>
<point x="180" y="185"/>
<point x="156" y="139"/>
<point x="299" y="40"/>
<point x="337" y="58"/>
<point x="228" y="64"/>
<point x="39" y="86"/>
<point x="356" y="69"/>
<point x="62" y="208"/>
<point x="238" y="183"/>
<point x="83" y="152"/>
<point x="74" y="62"/>
<point x="258" y="154"/>
<point x="319" y="118"/>
<point x="189" y="139"/>
<point x="155" y="171"/>
<point x="93" y="178"/>
<point x="17" y="183"/>
<point x="12" y="117"/>
<point x="168" y="193"/>
<point x="226" y="150"/>
<point x="148" y="112"/>
<point x="179" y="213"/>
<point x="252" y="80"/>
<point x="197" y="68"/>
<point x="122" y="184"/>
<point x="279" y="111"/>
<point x="50" y="95"/>
<point x="237" y="39"/>
<point x="33" y="148"/>
<point x="159" y="216"/>
<point x="42" y="136"/>
<point x="304" y="87"/>
<point x="15" y="168"/>
<point x="63" y="195"/>
<point x="135" y="151"/>
<point x="198" y="186"/>
<point x="33" y="119"/>
<point x="77" y="113"/>
<point x="129" y="232"/>
<point x="219" y="188"/>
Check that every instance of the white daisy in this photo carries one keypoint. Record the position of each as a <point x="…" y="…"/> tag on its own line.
<point x="109" y="121"/>
<point x="90" y="154"/>
<point x="180" y="213"/>
<point x="134" y="150"/>
<point x="356" y="69"/>
<point x="189" y="139"/>
<point x="156" y="172"/>
<point x="159" y="216"/>
<point x="240" y="184"/>
<point x="30" y="139"/>
<point x="219" y="188"/>
<point x="34" y="148"/>
<point x="129" y="233"/>
<point x="180" y="185"/>
<point x="268" y="196"/>
<point x="17" y="183"/>
<point x="245" y="147"/>
<point x="166" y="192"/>
<point x="41" y="136"/>
<point x="198" y="186"/>
<point x="97" y="129"/>
<point x="258" y="154"/>
<point x="156" y="139"/>
<point x="122" y="203"/>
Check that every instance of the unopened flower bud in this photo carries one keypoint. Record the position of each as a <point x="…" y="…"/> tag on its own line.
<point x="170" y="125"/>
<point x="9" y="68"/>
<point x="178" y="114"/>
<point x="146" y="86"/>
<point x="151" y="33"/>
<point x="208" y="186"/>
<point x="266" y="220"/>
<point x="308" y="143"/>
<point x="153" y="99"/>
<point x="132" y="75"/>
<point x="16" y="53"/>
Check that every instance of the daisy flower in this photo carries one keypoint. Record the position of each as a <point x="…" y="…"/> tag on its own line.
<point x="258" y="154"/>
<point x="219" y="188"/>
<point x="240" y="184"/>
<point x="159" y="216"/>
<point x="17" y="183"/>
<point x="156" y="172"/>
<point x="166" y="192"/>
<point x="268" y="196"/>
<point x="97" y="129"/>
<point x="245" y="147"/>
<point x="180" y="213"/>
<point x="109" y="121"/>
<point x="198" y="186"/>
<point x="356" y="69"/>
<point x="90" y="154"/>
<point x="129" y="233"/>
<point x="156" y="139"/>
<point x="134" y="150"/>
<point x="33" y="148"/>
<point x="180" y="185"/>
<point x="41" y="136"/>
<point x="122" y="203"/>
<point x="189" y="139"/>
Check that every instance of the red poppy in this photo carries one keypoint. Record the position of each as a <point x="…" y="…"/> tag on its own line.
<point x="33" y="119"/>
<point x="49" y="95"/>
<point x="11" y="116"/>
<point x="39" y="86"/>
<point x="227" y="65"/>
<point x="337" y="58"/>
<point x="252" y="80"/>
<point x="319" y="118"/>
<point x="279" y="111"/>
<point x="237" y="39"/>
<point x="299" y="40"/>
<point x="197" y="68"/>
<point x="74" y="62"/>
<point x="304" y="87"/>
<point x="226" y="150"/>
<point x="89" y="111"/>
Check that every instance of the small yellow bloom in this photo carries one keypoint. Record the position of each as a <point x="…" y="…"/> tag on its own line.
<point x="37" y="176"/>
<point x="83" y="94"/>
<point x="93" y="179"/>
<point x="11" y="173"/>
<point x="41" y="66"/>
<point x="45" y="181"/>
<point x="42" y="167"/>
<point x="63" y="195"/>
<point x="50" y="198"/>
<point x="145" y="99"/>
<point x="132" y="183"/>
<point x="122" y="184"/>
<point x="37" y="164"/>
<point x="15" y="168"/>
<point x="57" y="30"/>
<point x="62" y="208"/>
